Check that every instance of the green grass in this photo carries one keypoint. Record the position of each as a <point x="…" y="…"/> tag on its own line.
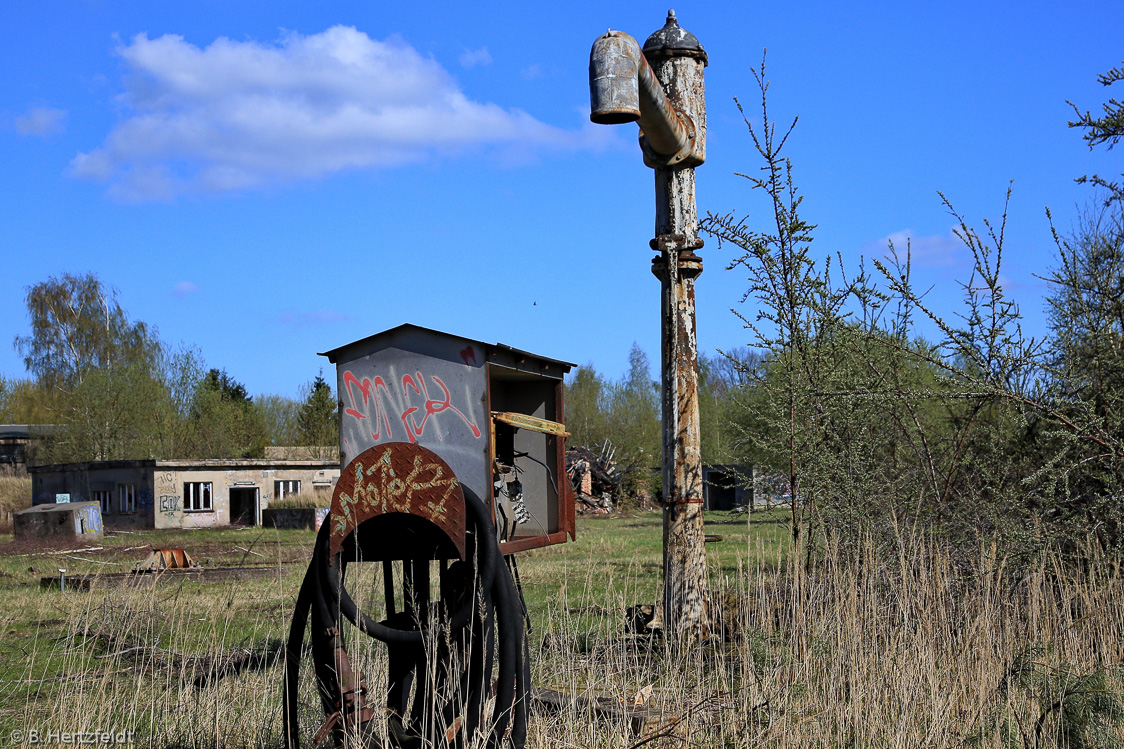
<point x="51" y="635"/>
<point x="618" y="561"/>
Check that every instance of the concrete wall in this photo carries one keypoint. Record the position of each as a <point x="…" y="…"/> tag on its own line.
<point x="306" y="452"/>
<point x="71" y="520"/>
<point x="170" y="483"/>
<point x="82" y="481"/>
<point x="159" y="488"/>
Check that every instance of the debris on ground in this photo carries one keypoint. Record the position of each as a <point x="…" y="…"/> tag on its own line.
<point x="166" y="559"/>
<point x="602" y="709"/>
<point x="644" y="619"/>
<point x="595" y="478"/>
<point x="728" y="614"/>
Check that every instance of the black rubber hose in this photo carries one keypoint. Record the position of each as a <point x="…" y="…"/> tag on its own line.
<point x="480" y="665"/>
<point x="309" y="599"/>
<point x="522" y="697"/>
<point x="510" y="620"/>
<point x="488" y="564"/>
<point x="293" y="648"/>
<point x="322" y="594"/>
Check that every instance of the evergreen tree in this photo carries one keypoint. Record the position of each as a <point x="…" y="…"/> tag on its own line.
<point x="318" y="420"/>
<point x="226" y="387"/>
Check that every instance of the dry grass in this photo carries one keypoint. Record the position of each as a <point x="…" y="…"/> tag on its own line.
<point x="873" y="652"/>
<point x="15" y="493"/>
<point x="305" y="501"/>
<point x="866" y="650"/>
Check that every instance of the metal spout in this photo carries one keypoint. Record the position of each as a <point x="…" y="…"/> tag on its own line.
<point x="614" y="86"/>
<point x="624" y="88"/>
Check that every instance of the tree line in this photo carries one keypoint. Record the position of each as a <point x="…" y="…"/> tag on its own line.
<point x="113" y="390"/>
<point x="976" y="432"/>
<point x="622" y="417"/>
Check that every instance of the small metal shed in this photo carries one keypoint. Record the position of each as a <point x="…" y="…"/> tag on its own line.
<point x="494" y="413"/>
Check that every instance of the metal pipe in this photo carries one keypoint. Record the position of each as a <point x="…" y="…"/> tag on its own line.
<point x="624" y="88"/>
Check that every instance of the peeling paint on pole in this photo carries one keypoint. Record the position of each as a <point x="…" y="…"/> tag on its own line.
<point x="673" y="141"/>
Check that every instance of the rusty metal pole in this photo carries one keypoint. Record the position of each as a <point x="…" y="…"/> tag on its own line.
<point x="672" y="117"/>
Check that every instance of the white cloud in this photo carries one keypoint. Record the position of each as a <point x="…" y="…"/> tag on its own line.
<point x="41" y="121"/>
<point x="237" y="115"/>
<point x="470" y="58"/>
<point x="184" y="289"/>
<point x="928" y="252"/>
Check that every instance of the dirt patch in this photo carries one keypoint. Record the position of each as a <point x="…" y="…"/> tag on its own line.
<point x="34" y="546"/>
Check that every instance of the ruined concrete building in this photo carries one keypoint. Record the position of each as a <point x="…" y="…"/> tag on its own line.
<point x="181" y="493"/>
<point x="81" y="520"/>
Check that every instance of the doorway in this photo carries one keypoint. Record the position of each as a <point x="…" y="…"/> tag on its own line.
<point x="244" y="505"/>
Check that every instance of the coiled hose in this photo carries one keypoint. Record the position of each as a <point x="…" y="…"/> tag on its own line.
<point x="449" y="700"/>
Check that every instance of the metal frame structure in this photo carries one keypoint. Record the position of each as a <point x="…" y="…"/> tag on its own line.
<point x="454" y="459"/>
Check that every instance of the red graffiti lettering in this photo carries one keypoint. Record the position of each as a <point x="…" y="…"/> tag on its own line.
<point x="348" y="380"/>
<point x="468" y="353"/>
<point x="407" y="414"/>
<point x="370" y="392"/>
<point x="408" y="382"/>
<point x="436" y="407"/>
<point x="432" y="406"/>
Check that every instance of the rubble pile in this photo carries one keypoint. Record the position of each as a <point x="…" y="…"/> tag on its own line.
<point x="595" y="478"/>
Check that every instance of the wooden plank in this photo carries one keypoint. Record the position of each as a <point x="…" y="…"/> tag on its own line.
<point x="605" y="709"/>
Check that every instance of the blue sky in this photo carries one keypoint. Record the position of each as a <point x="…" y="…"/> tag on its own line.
<point x="264" y="181"/>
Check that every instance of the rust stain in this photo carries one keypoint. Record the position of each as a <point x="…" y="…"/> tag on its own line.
<point x="397" y="477"/>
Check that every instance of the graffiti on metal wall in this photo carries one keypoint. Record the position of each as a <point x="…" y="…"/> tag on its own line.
<point x="412" y="404"/>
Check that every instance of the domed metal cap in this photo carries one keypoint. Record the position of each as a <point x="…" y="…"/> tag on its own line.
<point x="673" y="41"/>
